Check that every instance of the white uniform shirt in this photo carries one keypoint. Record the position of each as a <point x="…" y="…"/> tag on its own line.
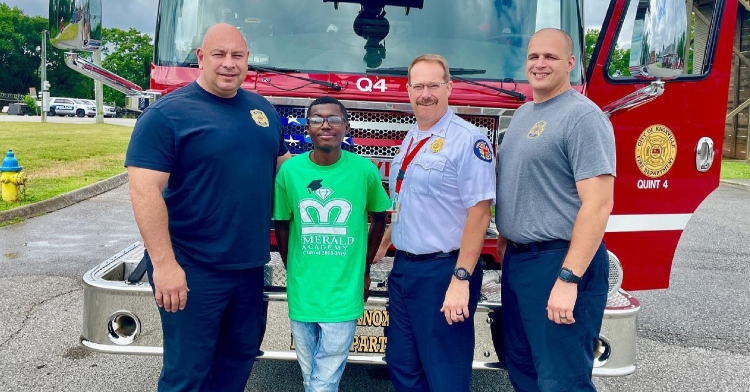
<point x="452" y="172"/>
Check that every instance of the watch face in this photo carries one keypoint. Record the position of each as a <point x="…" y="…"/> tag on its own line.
<point x="567" y="275"/>
<point x="461" y="273"/>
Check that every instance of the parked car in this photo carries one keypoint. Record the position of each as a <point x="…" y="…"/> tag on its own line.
<point x="62" y="107"/>
<point x="85" y="108"/>
<point x="109" y="111"/>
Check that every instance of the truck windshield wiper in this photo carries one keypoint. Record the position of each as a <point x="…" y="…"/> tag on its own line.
<point x="288" y="72"/>
<point x="405" y="70"/>
<point x="512" y="93"/>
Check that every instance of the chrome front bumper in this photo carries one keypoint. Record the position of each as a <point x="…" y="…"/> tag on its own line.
<point x="121" y="318"/>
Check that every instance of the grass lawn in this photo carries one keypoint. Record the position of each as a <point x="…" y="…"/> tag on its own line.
<point x="59" y="158"/>
<point x="734" y="169"/>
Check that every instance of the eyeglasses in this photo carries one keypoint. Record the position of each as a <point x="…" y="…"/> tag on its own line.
<point x="334" y="121"/>
<point x="433" y="87"/>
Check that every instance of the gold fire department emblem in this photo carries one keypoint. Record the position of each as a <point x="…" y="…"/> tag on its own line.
<point x="259" y="117"/>
<point x="536" y="130"/>
<point x="655" y="151"/>
<point x="437" y="145"/>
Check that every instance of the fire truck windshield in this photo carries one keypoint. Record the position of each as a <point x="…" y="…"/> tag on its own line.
<point x="313" y="36"/>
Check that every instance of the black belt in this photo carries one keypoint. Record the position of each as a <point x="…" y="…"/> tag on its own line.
<point x="428" y="256"/>
<point x="539" y="246"/>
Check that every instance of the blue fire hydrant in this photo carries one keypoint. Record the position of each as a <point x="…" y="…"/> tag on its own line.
<point x="12" y="177"/>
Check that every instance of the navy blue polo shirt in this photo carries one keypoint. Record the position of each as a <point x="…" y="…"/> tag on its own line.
<point x="221" y="156"/>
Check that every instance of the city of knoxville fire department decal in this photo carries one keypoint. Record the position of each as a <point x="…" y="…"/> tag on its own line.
<point x="259" y="117"/>
<point x="655" y="151"/>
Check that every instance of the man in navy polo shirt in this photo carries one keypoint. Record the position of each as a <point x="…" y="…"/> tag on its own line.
<point x="201" y="164"/>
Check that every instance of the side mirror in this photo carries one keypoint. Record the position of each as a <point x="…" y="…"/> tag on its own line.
<point x="659" y="40"/>
<point x="75" y="24"/>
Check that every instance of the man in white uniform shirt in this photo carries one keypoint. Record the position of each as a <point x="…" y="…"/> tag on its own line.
<point x="442" y="184"/>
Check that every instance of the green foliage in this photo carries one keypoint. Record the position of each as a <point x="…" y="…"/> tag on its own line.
<point x="31" y="103"/>
<point x="20" y="37"/>
<point x="591" y="36"/>
<point x="128" y="54"/>
<point x="20" y="55"/>
<point x="619" y="62"/>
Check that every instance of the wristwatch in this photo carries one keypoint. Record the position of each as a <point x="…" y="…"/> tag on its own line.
<point x="461" y="273"/>
<point x="567" y="275"/>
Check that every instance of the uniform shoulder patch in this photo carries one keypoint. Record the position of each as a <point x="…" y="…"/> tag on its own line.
<point x="483" y="151"/>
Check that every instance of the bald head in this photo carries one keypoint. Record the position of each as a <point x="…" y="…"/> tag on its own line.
<point x="221" y="31"/>
<point x="222" y="59"/>
<point x="556" y="34"/>
<point x="549" y="62"/>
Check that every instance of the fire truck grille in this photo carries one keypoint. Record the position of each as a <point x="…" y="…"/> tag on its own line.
<point x="374" y="133"/>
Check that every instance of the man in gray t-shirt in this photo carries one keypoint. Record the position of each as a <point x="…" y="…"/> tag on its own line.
<point x="556" y="168"/>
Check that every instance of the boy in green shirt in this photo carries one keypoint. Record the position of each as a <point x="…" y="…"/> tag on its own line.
<point x="321" y="203"/>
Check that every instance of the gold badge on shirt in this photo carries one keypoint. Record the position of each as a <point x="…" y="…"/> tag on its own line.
<point x="259" y="117"/>
<point x="536" y="130"/>
<point x="437" y="145"/>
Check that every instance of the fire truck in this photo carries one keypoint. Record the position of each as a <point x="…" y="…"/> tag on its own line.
<point x="660" y="69"/>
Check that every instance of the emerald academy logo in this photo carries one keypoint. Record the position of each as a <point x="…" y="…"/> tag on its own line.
<point x="324" y="222"/>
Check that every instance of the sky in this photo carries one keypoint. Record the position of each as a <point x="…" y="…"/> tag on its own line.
<point x="141" y="14"/>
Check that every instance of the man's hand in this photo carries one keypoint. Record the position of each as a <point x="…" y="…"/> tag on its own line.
<point x="456" y="303"/>
<point x="380" y="254"/>
<point x="561" y="301"/>
<point x="367" y="285"/>
<point x="170" y="287"/>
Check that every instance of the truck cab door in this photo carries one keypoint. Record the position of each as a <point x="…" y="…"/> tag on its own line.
<point x="665" y="161"/>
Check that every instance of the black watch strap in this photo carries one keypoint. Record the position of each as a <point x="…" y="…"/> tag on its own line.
<point x="566" y="275"/>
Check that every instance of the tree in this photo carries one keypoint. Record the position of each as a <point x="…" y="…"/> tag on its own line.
<point x="20" y="37"/>
<point x="619" y="62"/>
<point x="591" y="36"/>
<point x="128" y="54"/>
<point x="20" y="54"/>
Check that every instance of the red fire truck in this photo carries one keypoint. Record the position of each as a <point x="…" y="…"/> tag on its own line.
<point x="652" y="69"/>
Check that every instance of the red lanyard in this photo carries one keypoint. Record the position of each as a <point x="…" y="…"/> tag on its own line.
<point x="409" y="157"/>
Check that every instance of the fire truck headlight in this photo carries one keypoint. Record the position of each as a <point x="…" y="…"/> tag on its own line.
<point x="615" y="274"/>
<point x="123" y="327"/>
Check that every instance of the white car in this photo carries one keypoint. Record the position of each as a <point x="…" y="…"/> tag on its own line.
<point x="85" y="108"/>
<point x="109" y="111"/>
<point x="62" y="107"/>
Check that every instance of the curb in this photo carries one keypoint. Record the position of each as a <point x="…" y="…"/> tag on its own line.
<point x="64" y="200"/>
<point x="737" y="184"/>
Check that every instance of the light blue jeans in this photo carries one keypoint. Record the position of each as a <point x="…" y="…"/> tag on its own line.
<point x="322" y="349"/>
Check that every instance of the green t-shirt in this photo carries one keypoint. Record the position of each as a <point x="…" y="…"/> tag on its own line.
<point x="327" y="207"/>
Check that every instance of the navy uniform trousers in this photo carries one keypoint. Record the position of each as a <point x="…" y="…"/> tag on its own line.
<point x="424" y="353"/>
<point x="211" y="345"/>
<point x="541" y="355"/>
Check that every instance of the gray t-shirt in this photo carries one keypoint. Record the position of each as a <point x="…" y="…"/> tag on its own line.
<point x="547" y="148"/>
